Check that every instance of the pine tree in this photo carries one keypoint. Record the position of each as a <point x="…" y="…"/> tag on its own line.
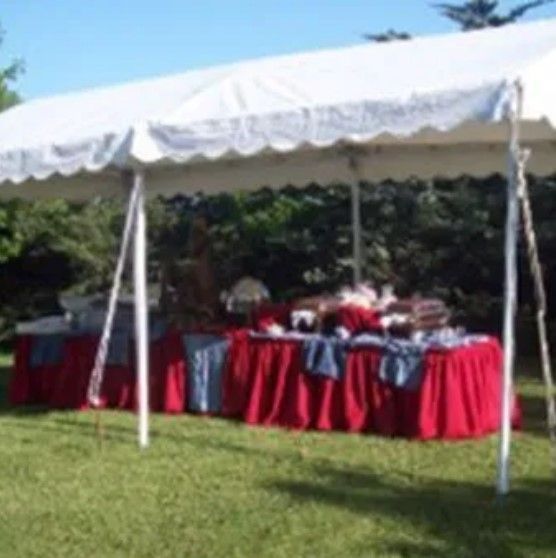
<point x="390" y="35"/>
<point x="478" y="14"/>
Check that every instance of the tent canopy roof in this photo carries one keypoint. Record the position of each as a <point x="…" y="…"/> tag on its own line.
<point x="287" y="119"/>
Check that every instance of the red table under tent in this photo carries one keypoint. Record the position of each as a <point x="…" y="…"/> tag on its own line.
<point x="264" y="382"/>
<point x="443" y="106"/>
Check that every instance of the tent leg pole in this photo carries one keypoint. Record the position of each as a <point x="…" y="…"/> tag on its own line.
<point x="356" y="221"/>
<point x="141" y="310"/>
<point x="510" y="299"/>
<point x="97" y="374"/>
<point x="540" y="297"/>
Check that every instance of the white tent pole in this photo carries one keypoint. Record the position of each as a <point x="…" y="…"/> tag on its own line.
<point x="356" y="220"/>
<point x="510" y="293"/>
<point x="141" y="308"/>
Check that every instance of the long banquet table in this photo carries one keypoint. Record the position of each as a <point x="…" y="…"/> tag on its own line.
<point x="264" y="382"/>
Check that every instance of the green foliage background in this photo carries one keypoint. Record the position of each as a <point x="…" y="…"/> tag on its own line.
<point x="443" y="238"/>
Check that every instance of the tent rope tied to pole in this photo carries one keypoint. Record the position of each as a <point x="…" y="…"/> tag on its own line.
<point x="540" y="294"/>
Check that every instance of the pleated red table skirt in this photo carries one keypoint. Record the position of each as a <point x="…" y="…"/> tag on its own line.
<point x="265" y="383"/>
<point x="458" y="398"/>
<point x="64" y="386"/>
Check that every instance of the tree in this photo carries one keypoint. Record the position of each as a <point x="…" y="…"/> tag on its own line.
<point x="469" y="15"/>
<point x="390" y="35"/>
<point x="8" y="76"/>
<point x="478" y="14"/>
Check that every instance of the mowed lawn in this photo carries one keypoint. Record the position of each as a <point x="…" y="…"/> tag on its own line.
<point x="213" y="488"/>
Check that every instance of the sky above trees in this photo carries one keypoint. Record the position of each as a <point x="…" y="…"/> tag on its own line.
<point x="70" y="45"/>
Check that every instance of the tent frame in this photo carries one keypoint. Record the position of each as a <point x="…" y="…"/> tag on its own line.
<point x="356" y="218"/>
<point x="510" y="287"/>
<point x="515" y="177"/>
<point x="141" y="306"/>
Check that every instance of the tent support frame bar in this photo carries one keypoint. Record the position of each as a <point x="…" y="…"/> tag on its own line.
<point x="135" y="224"/>
<point x="97" y="374"/>
<point x="510" y="287"/>
<point x="141" y="307"/>
<point x="540" y="298"/>
<point x="355" y="167"/>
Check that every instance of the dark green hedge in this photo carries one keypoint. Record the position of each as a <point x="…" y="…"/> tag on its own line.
<point x="443" y="238"/>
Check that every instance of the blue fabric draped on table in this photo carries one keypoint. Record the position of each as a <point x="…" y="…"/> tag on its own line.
<point x="402" y="359"/>
<point x="324" y="356"/>
<point x="206" y="357"/>
<point x="118" y="349"/>
<point x="402" y="363"/>
<point x="46" y="350"/>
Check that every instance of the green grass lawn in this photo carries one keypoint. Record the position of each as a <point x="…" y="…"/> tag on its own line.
<point x="212" y="488"/>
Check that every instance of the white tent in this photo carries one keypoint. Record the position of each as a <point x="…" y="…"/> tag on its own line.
<point x="433" y="106"/>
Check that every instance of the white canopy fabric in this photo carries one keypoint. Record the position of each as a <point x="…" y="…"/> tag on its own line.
<point x="287" y="120"/>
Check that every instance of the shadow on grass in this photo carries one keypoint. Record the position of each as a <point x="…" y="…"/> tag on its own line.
<point x="82" y="424"/>
<point x="534" y="415"/>
<point x="458" y="518"/>
<point x="63" y="420"/>
<point x="533" y="396"/>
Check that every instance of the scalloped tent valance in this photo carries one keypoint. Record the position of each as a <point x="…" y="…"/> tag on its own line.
<point x="425" y="107"/>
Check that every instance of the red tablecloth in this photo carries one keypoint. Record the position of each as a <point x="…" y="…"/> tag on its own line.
<point x="64" y="386"/>
<point x="167" y="387"/>
<point x="459" y="396"/>
<point x="265" y="383"/>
